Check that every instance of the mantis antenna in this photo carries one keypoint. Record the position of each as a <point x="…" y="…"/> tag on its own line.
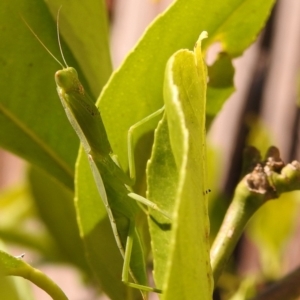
<point x="58" y="37"/>
<point x="40" y="41"/>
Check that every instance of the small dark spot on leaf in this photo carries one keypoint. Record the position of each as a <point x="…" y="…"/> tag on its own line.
<point x="207" y="192"/>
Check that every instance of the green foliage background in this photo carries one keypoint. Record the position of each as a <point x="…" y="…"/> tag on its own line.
<point x="34" y="126"/>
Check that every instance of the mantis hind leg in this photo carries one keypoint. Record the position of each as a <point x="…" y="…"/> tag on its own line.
<point x="126" y="266"/>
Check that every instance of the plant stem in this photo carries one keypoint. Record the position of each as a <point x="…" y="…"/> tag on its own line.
<point x="267" y="181"/>
<point x="244" y="205"/>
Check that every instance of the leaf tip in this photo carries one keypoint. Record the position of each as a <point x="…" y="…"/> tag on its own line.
<point x="203" y="35"/>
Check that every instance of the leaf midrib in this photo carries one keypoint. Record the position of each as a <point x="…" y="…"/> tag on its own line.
<point x="37" y="140"/>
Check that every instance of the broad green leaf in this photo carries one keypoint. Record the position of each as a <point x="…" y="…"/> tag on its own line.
<point x="89" y="43"/>
<point x="30" y="113"/>
<point x="38" y="130"/>
<point x="135" y="89"/>
<point x="220" y="86"/>
<point x="177" y="182"/>
<point x="16" y="266"/>
<point x="33" y="122"/>
<point x="55" y="205"/>
<point x="270" y="229"/>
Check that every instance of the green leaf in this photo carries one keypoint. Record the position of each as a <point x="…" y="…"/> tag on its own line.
<point x="16" y="266"/>
<point x="33" y="122"/>
<point x="55" y="205"/>
<point x="220" y="85"/>
<point x="135" y="90"/>
<point x="30" y="112"/>
<point x="89" y="43"/>
<point x="177" y="183"/>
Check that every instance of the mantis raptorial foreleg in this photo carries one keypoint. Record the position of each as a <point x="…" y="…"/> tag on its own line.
<point x="131" y="162"/>
<point x="130" y="145"/>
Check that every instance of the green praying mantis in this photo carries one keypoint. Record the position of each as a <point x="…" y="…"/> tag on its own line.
<point x="113" y="183"/>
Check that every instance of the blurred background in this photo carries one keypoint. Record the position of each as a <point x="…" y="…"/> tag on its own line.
<point x="262" y="112"/>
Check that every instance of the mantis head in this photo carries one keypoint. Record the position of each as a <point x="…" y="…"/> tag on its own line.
<point x="67" y="80"/>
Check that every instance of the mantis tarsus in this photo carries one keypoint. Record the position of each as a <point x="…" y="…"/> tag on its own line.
<point x="112" y="182"/>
